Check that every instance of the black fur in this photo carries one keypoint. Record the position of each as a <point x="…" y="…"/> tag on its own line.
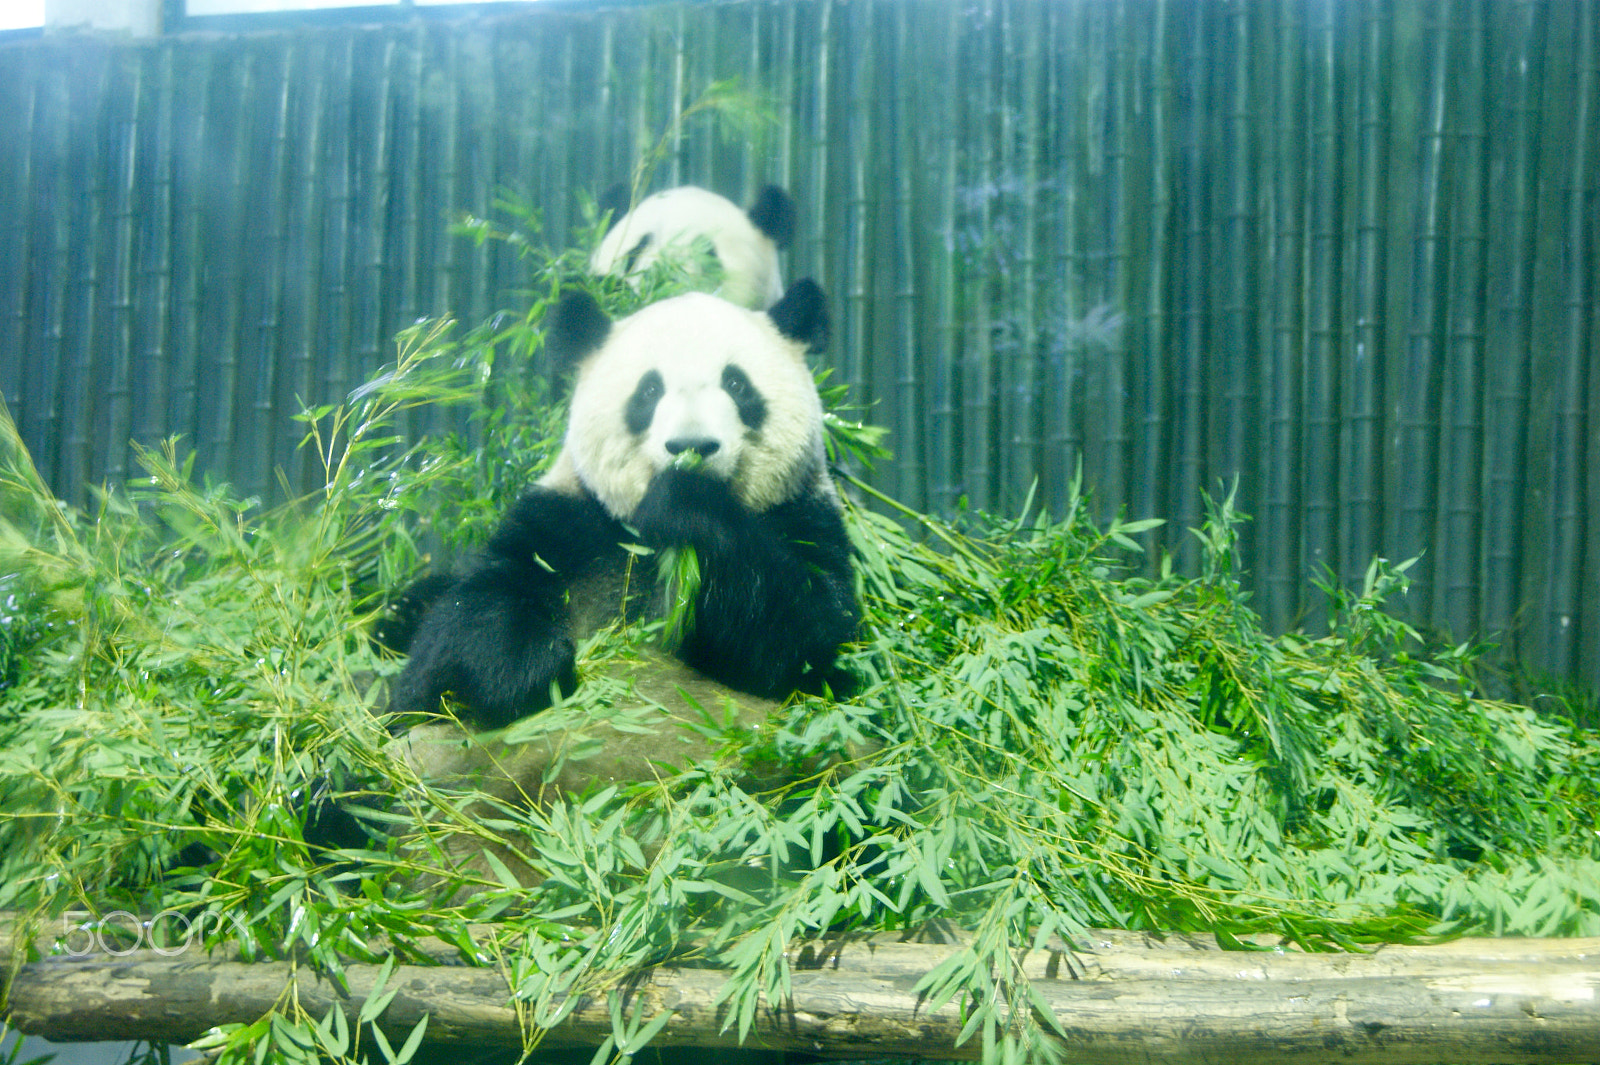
<point x="773" y="214"/>
<point x="497" y="638"/>
<point x="802" y="315"/>
<point x="574" y="327"/>
<point x="776" y="595"/>
<point x="746" y="397"/>
<point x="640" y="409"/>
<point x="614" y="204"/>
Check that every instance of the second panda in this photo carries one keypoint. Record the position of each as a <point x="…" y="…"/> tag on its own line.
<point x="693" y="374"/>
<point x="744" y="243"/>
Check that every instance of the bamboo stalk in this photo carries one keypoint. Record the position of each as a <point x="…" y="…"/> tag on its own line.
<point x="1460" y="539"/>
<point x="451" y="263"/>
<point x="1080" y="387"/>
<point x="1515" y="150"/>
<point x="124" y="194"/>
<point x="1018" y="356"/>
<point x="910" y="402"/>
<point x="1569" y="444"/>
<point x="155" y="282"/>
<point x="481" y="280"/>
<point x="1284" y="282"/>
<point x="1324" y="309"/>
<point x="820" y="183"/>
<point x="943" y="336"/>
<point x="783" y="74"/>
<point x="19" y="386"/>
<point x="1097" y="400"/>
<point x="558" y="173"/>
<point x="1190" y="296"/>
<point x="1149" y="320"/>
<point x="978" y="361"/>
<point x="854" y="300"/>
<point x="1232" y="230"/>
<point x="407" y="178"/>
<point x="190" y="170"/>
<point x="1417" y="485"/>
<point x="267" y="421"/>
<point x="338" y="252"/>
<point x="1058" y="464"/>
<point x="374" y="308"/>
<point x="309" y="354"/>
<point x="55" y="173"/>
<point x="1361" y="459"/>
<point x="222" y="391"/>
<point x="1279" y="543"/>
<point x="81" y="404"/>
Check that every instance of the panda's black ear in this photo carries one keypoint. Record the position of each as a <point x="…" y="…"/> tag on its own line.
<point x="574" y="327"/>
<point x="618" y="199"/>
<point x="773" y="214"/>
<point x="802" y="314"/>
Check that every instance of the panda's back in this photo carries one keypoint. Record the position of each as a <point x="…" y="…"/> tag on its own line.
<point x="751" y="275"/>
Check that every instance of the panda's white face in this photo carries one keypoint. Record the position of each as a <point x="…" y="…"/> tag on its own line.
<point x="695" y="374"/>
<point x="674" y="219"/>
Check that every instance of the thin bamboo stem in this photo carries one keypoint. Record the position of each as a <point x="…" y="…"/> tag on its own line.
<point x="1362" y="422"/>
<point x="1420" y="360"/>
<point x="156" y="284"/>
<point x="1460" y="539"/>
<point x="1321" y="394"/>
<point x="1569" y="445"/>
<point x="1516" y="149"/>
<point x="1279" y="543"/>
<point x="124" y="193"/>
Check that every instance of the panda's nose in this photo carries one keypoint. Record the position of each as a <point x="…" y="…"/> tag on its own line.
<point x="704" y="446"/>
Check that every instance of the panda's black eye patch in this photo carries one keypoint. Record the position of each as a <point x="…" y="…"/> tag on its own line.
<point x="752" y="407"/>
<point x="641" y="406"/>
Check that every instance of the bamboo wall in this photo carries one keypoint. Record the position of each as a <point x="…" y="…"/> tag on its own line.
<point x="1340" y="253"/>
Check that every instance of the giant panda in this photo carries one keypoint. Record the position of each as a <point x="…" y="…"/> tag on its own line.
<point x="691" y="377"/>
<point x="745" y="242"/>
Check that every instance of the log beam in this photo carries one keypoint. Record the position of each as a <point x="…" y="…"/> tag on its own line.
<point x="1121" y="998"/>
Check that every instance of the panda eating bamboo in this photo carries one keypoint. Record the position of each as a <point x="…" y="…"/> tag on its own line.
<point x="692" y="377"/>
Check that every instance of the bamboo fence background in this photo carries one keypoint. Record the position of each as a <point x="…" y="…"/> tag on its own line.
<point x="1342" y="254"/>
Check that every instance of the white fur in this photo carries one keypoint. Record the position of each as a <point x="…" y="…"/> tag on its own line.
<point x="688" y="340"/>
<point x="751" y="276"/>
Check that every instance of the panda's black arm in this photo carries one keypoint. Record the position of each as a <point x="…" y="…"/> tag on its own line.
<point x="498" y="637"/>
<point x="776" y="595"/>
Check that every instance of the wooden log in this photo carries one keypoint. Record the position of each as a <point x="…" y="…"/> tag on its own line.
<point x="1120" y="998"/>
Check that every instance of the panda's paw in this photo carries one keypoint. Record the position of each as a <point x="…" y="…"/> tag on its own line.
<point x="688" y="506"/>
<point x="490" y="676"/>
